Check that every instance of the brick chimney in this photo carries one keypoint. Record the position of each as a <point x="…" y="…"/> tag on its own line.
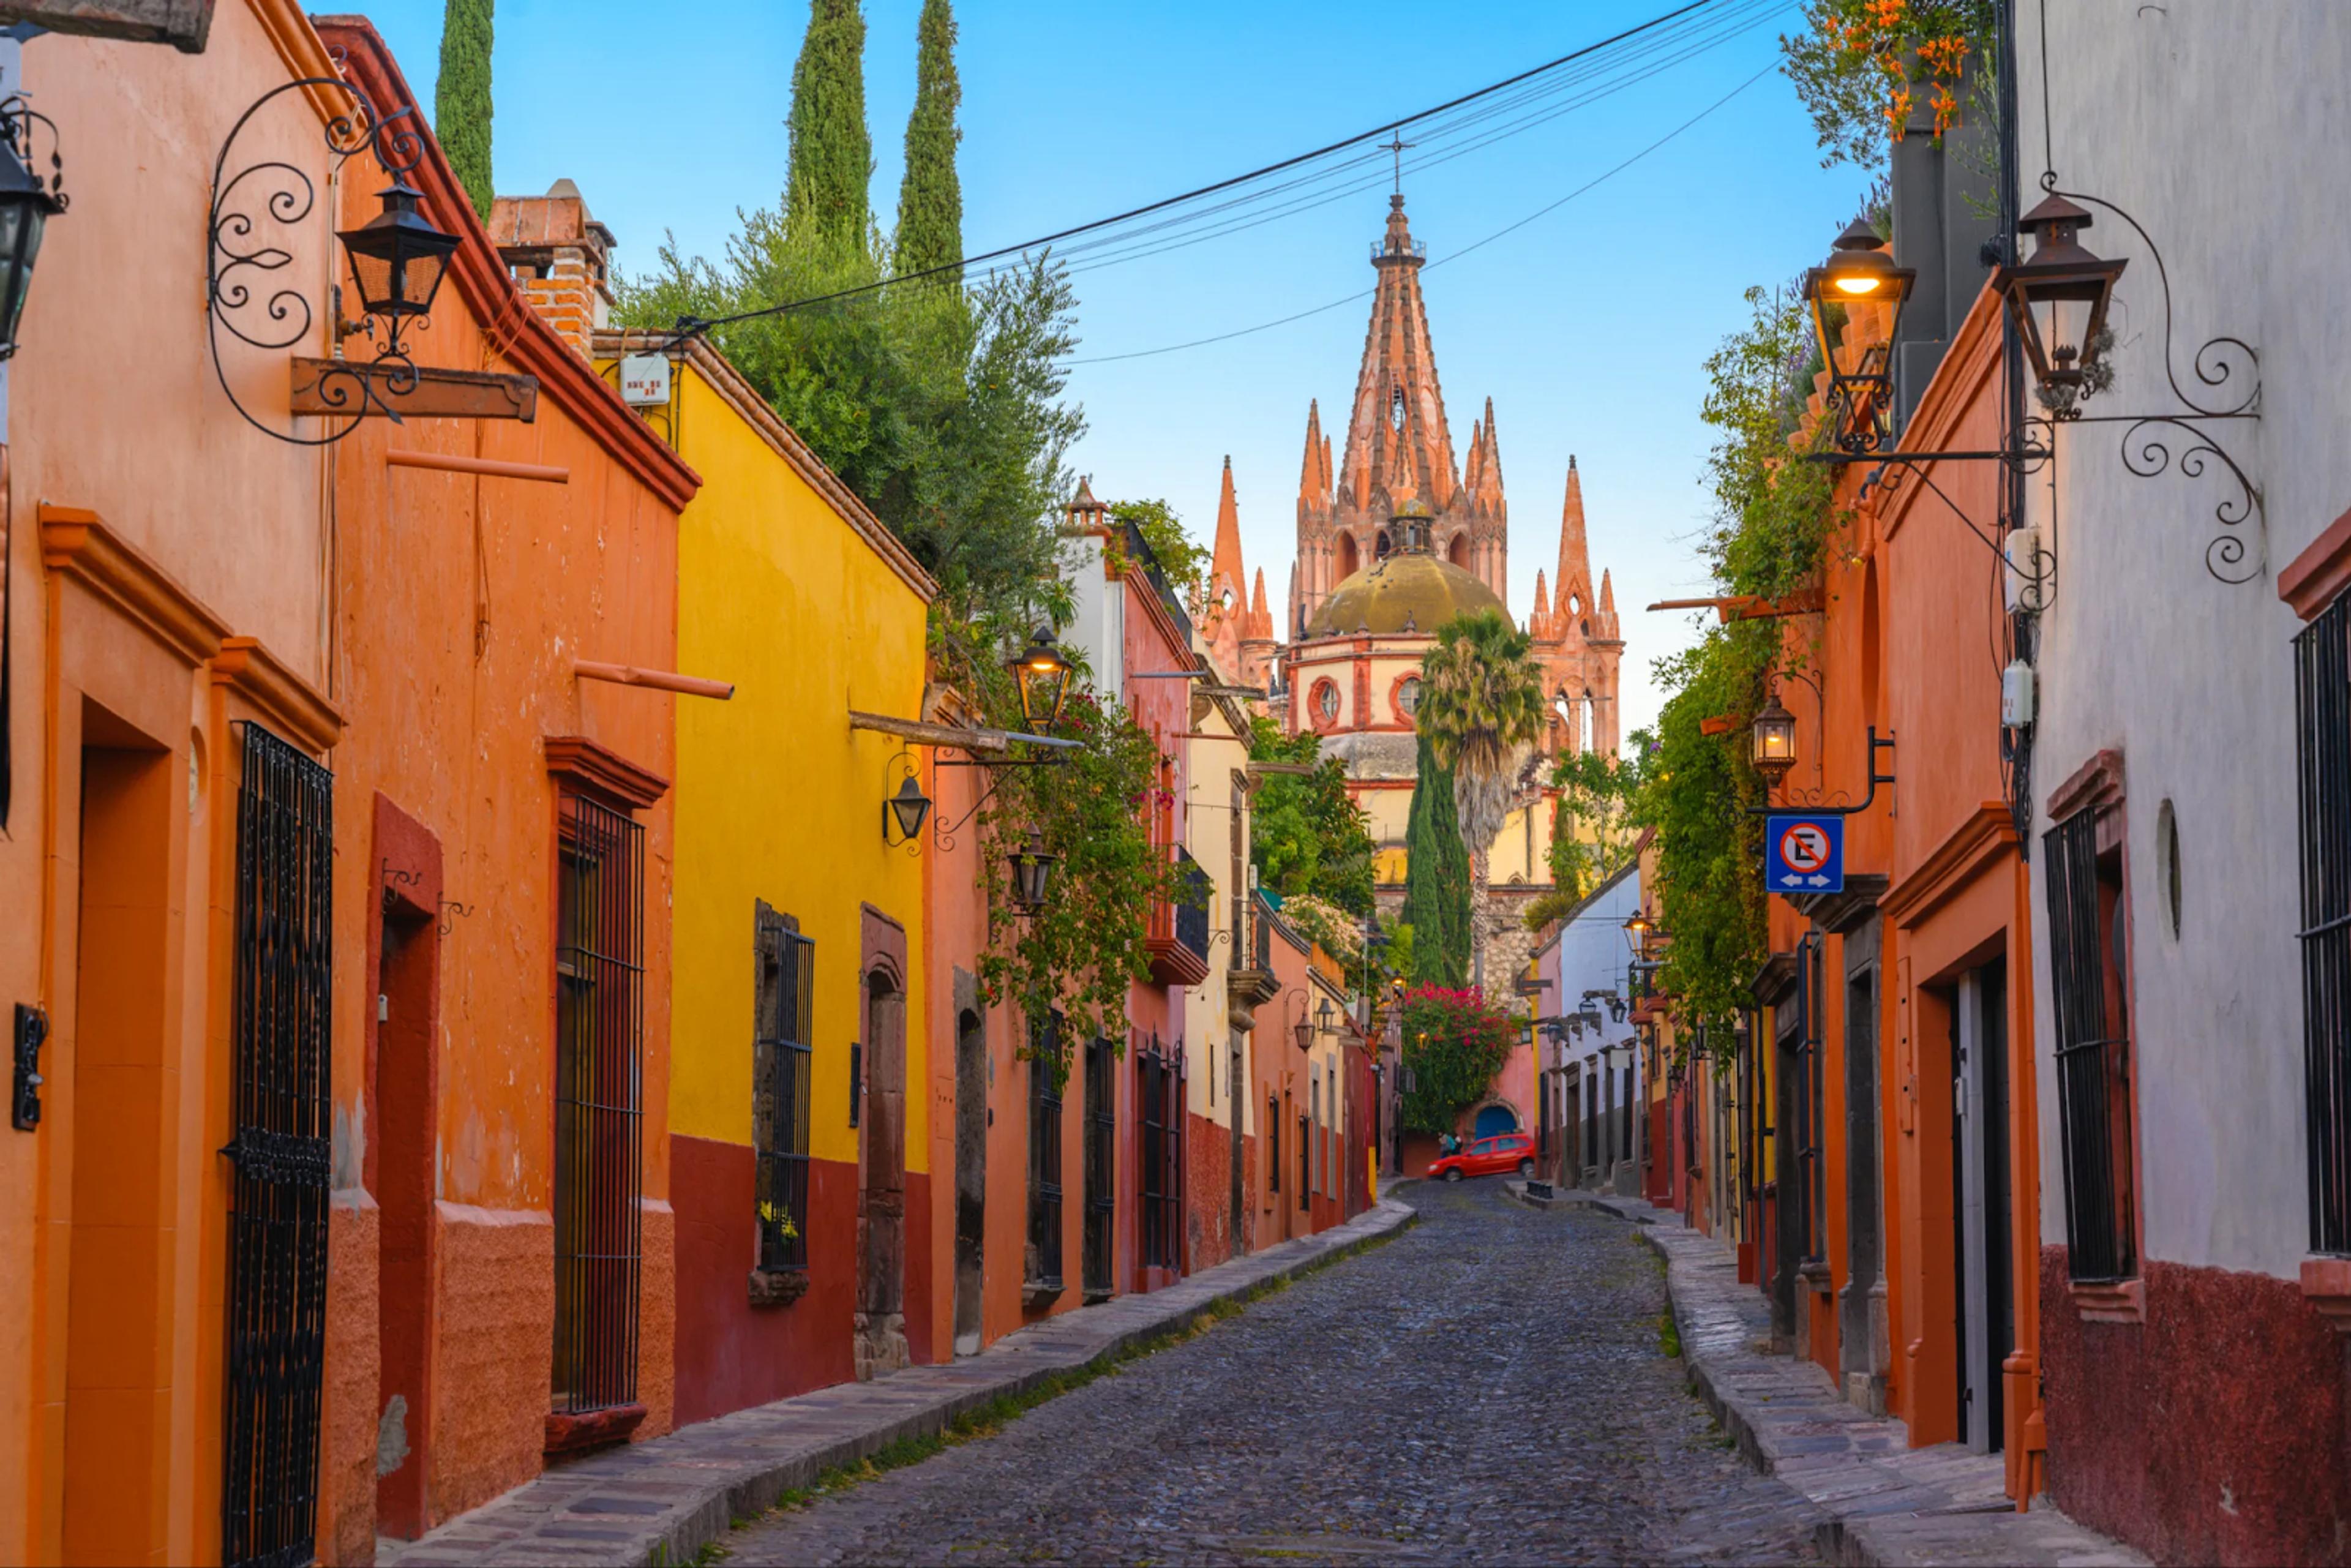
<point x="560" y="256"/>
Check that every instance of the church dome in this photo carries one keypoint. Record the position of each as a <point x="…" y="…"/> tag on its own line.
<point x="1409" y="591"/>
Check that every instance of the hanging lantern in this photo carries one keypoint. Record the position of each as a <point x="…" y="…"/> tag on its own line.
<point x="1859" y="271"/>
<point x="398" y="260"/>
<point x="2058" y="300"/>
<point x="26" y="206"/>
<point x="1303" y="1030"/>
<point x="1032" y="870"/>
<point x="1044" y="678"/>
<point x="905" y="810"/>
<point x="1775" y="741"/>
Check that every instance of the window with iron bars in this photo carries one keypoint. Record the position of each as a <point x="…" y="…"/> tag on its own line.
<point x="1163" y="1160"/>
<point x="2088" y="985"/>
<point x="1809" y="1106"/>
<point x="1273" y="1148"/>
<point x="1305" y="1163"/>
<point x="1044" y="1153"/>
<point x="599" y="1105"/>
<point x="781" y="1050"/>
<point x="280" y="1155"/>
<point x="2322" y="689"/>
<point x="1102" y="1167"/>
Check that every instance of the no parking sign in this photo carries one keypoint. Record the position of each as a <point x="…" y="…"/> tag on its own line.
<point x="1803" y="855"/>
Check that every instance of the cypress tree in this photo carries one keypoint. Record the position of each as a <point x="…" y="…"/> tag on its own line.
<point x="1436" y="878"/>
<point x="825" y="187"/>
<point x="930" y="197"/>
<point x="461" y="102"/>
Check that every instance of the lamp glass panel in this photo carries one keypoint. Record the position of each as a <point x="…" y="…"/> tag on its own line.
<point x="421" y="278"/>
<point x="372" y="274"/>
<point x="2063" y="322"/>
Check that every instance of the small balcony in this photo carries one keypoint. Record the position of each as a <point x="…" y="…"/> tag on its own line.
<point x="1252" y="981"/>
<point x="1177" y="935"/>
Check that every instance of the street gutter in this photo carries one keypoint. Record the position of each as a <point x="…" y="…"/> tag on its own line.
<point x="663" y="1499"/>
<point x="1884" y="1502"/>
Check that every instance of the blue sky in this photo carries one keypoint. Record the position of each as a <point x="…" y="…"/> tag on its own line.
<point x="1588" y="327"/>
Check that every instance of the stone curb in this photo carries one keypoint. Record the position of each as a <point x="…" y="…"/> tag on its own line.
<point x="1885" y="1504"/>
<point x="662" y="1500"/>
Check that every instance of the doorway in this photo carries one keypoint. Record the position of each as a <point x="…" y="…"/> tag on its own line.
<point x="1984" y="1300"/>
<point x="881" y="1328"/>
<point x="401" y="1124"/>
<point x="124" y="1107"/>
<point x="1493" y="1121"/>
<point x="971" y="1179"/>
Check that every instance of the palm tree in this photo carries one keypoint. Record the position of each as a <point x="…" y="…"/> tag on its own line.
<point x="1481" y="702"/>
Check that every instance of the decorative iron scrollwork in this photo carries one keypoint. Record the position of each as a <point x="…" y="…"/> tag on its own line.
<point x="25" y="1103"/>
<point x="2145" y="452"/>
<point x="244" y="294"/>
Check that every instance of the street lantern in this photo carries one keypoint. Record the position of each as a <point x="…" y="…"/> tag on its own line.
<point x="2058" y="300"/>
<point x="1775" y="741"/>
<point x="1858" y="271"/>
<point x="1044" y="678"/>
<point x="1638" y="927"/>
<point x="398" y="260"/>
<point x="906" y="808"/>
<point x="1031" y="870"/>
<point x="1322" y="1015"/>
<point x="26" y="206"/>
<point x="1304" y="1028"/>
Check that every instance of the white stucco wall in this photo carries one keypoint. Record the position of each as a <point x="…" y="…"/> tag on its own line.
<point x="1593" y="955"/>
<point x="2225" y="129"/>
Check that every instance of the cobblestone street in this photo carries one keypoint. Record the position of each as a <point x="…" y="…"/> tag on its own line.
<point x="1488" y="1387"/>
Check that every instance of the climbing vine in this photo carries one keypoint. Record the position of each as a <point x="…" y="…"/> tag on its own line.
<point x="1454" y="1043"/>
<point x="1775" y="525"/>
<point x="1094" y="807"/>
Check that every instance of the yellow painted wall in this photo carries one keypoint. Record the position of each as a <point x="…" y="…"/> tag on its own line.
<point x="777" y="798"/>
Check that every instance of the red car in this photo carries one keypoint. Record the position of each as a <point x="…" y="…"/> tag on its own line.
<point x="1496" y="1156"/>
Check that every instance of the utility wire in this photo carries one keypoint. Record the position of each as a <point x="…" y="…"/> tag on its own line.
<point x="1451" y="255"/>
<point x="1137" y="249"/>
<point x="692" y="325"/>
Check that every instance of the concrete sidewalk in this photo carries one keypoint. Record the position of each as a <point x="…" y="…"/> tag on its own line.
<point x="667" y="1498"/>
<point x="1886" y="1503"/>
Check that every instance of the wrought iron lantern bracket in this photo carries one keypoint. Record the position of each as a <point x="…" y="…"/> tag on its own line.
<point x="1832" y="802"/>
<point x="245" y="301"/>
<point x="2152" y="441"/>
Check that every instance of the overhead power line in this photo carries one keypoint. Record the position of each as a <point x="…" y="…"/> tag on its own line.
<point x="1362" y="294"/>
<point x="691" y="326"/>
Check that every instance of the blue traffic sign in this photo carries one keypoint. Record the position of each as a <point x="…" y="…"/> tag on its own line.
<point x="1803" y="855"/>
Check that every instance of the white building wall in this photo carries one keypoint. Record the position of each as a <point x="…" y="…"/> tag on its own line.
<point x="2225" y="129"/>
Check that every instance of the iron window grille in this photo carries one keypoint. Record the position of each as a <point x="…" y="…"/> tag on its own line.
<point x="598" y="1106"/>
<point x="281" y="1154"/>
<point x="1045" y="1153"/>
<point x="1163" y="1178"/>
<point x="1102" y="1167"/>
<point x="782" y="1054"/>
<point x="1305" y="1170"/>
<point x="2092" y="1052"/>
<point x="1314" y="1120"/>
<point x="1192" y="903"/>
<point x="2322" y="748"/>
<point x="1811" y="1212"/>
<point x="1273" y="1147"/>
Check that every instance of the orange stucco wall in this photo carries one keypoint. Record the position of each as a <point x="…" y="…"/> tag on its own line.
<point x="173" y="528"/>
<point x="1913" y="605"/>
<point x="459" y="604"/>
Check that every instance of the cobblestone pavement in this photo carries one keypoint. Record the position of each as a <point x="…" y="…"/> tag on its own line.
<point x="1488" y="1387"/>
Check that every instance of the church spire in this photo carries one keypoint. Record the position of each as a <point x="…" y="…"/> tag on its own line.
<point x="1225" y="556"/>
<point x="1314" y="471"/>
<point x="1574" y="558"/>
<point x="1398" y="445"/>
